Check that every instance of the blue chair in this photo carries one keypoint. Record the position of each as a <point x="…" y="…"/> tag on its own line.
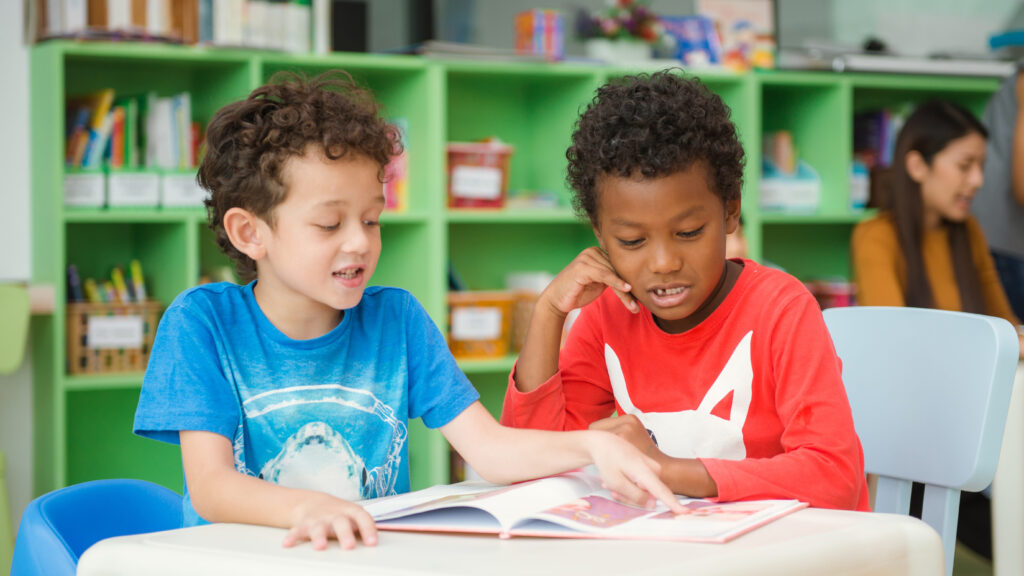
<point x="929" y="390"/>
<point x="58" y="527"/>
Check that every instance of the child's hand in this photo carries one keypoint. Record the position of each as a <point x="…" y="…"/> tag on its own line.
<point x="322" y="516"/>
<point x="583" y="280"/>
<point x="629" y="428"/>
<point x="629" y="475"/>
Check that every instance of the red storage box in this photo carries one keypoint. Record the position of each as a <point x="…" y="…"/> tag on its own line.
<point x="478" y="174"/>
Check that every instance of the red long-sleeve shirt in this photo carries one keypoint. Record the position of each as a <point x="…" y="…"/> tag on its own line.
<point x="754" y="391"/>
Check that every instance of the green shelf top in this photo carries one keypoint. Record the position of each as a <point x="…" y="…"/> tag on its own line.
<point x="110" y="381"/>
<point x="513" y="216"/>
<point x="389" y="217"/>
<point x="354" y="60"/>
<point x="797" y="78"/>
<point x="133" y="215"/>
<point x="526" y="68"/>
<point x="784" y="218"/>
<point x="922" y="82"/>
<point x="148" y="51"/>
<point x="487" y="365"/>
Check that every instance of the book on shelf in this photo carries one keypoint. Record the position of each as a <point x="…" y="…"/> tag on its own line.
<point x="571" y="505"/>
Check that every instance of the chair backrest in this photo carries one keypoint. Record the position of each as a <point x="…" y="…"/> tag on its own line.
<point x="929" y="390"/>
<point x="58" y="527"/>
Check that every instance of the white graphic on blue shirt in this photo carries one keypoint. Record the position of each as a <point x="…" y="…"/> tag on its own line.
<point x="318" y="457"/>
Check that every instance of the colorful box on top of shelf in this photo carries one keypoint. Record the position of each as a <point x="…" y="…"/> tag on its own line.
<point x="541" y="32"/>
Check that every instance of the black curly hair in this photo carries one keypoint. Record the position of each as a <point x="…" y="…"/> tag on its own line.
<point x="249" y="142"/>
<point x="653" y="125"/>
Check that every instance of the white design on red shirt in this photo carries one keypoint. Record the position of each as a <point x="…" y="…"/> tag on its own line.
<point x="697" y="433"/>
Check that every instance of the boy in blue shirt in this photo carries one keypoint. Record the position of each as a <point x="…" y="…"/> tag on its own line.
<point x="290" y="395"/>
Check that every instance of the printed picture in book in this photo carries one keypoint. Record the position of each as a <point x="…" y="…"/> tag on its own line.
<point x="569" y="505"/>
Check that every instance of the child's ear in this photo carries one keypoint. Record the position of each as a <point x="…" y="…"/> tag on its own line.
<point x="732" y="215"/>
<point x="600" y="240"/>
<point x="242" y="228"/>
<point x="916" y="167"/>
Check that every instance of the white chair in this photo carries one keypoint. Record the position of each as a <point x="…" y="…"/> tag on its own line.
<point x="929" y="390"/>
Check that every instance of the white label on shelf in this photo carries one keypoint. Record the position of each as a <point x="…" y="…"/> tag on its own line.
<point x="133" y="189"/>
<point x="477" y="182"/>
<point x="84" y="189"/>
<point x="476" y="323"/>
<point x="114" y="332"/>
<point x="181" y="190"/>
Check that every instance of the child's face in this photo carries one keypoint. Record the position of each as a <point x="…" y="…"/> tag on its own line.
<point x="325" y="242"/>
<point x="666" y="238"/>
<point x="949" y="184"/>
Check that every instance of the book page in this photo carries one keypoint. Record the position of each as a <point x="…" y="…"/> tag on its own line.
<point x="506" y="504"/>
<point x="704" y="521"/>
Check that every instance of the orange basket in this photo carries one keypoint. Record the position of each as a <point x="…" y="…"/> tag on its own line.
<point x="122" y="336"/>
<point x="480" y="323"/>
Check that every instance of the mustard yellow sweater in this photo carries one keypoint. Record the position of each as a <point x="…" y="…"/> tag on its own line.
<point x="881" y="273"/>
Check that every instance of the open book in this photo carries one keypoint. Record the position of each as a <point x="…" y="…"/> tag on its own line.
<point x="571" y="505"/>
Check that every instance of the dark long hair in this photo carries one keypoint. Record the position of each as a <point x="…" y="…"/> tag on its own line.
<point x="927" y="131"/>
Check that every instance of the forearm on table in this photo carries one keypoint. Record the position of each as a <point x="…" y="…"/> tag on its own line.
<point x="502" y="455"/>
<point x="229" y="496"/>
<point x="538" y="359"/>
<point x="687" y="476"/>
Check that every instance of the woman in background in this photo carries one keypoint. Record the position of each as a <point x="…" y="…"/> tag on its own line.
<point x="926" y="250"/>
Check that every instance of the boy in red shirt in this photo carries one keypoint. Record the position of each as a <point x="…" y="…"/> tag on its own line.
<point x="722" y="370"/>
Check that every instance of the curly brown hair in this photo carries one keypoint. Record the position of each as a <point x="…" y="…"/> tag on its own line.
<point x="653" y="125"/>
<point x="249" y="142"/>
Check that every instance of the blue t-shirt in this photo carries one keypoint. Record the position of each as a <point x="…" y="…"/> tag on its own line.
<point x="328" y="414"/>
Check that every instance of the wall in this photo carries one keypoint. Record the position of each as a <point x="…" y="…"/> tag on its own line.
<point x="922" y="27"/>
<point x="15" y="265"/>
<point x="912" y="27"/>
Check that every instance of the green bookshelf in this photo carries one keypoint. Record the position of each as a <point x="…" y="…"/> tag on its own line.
<point x="82" y="423"/>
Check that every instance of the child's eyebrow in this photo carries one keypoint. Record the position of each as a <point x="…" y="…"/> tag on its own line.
<point x="341" y="202"/>
<point x="619" y="221"/>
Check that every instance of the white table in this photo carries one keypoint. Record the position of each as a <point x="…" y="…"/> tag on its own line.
<point x="809" y="541"/>
<point x="1008" y="489"/>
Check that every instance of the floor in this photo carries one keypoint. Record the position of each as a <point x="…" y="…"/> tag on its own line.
<point x="967" y="563"/>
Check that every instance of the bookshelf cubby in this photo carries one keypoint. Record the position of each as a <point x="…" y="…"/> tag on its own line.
<point x="82" y="423"/>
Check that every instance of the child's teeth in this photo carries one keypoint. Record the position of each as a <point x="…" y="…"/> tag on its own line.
<point x="668" y="291"/>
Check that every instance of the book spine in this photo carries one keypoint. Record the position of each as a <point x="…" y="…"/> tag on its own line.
<point x="205" y="21"/>
<point x="321" y="26"/>
<point x="117" y="144"/>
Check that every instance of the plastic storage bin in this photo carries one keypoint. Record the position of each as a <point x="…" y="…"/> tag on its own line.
<point x="480" y="323"/>
<point x="110" y="336"/>
<point x="478" y="174"/>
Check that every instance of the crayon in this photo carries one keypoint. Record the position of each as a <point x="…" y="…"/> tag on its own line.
<point x="92" y="292"/>
<point x="74" y="285"/>
<point x="138" y="282"/>
<point x="117" y="279"/>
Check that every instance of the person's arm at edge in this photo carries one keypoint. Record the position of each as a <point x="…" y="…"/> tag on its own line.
<point x="538" y="358"/>
<point x="579" y="284"/>
<point x="503" y="455"/>
<point x="875" y="255"/>
<point x="1016" y="165"/>
<point x="219" y="493"/>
